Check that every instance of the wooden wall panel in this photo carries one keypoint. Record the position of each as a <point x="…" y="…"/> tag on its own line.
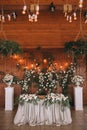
<point x="42" y="2"/>
<point x="51" y="30"/>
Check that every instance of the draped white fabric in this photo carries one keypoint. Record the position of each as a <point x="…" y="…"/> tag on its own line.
<point x="42" y="114"/>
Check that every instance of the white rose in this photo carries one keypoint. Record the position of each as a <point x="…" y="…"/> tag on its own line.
<point x="8" y="79"/>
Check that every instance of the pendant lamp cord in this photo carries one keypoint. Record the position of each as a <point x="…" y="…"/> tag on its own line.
<point x="1" y="28"/>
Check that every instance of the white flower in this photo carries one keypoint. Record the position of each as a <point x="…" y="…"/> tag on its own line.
<point x="8" y="79"/>
<point x="77" y="78"/>
<point x="65" y="98"/>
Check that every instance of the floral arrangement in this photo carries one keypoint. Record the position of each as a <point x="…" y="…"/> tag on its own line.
<point x="8" y="79"/>
<point x="77" y="79"/>
<point x="28" y="78"/>
<point x="65" y="77"/>
<point x="31" y="98"/>
<point x="48" y="100"/>
<point x="57" y="98"/>
<point x="44" y="81"/>
<point x="47" y="81"/>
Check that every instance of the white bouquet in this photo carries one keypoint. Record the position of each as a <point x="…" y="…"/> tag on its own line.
<point x="8" y="79"/>
<point x="77" y="79"/>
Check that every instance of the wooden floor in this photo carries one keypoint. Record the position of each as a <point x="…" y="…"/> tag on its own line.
<point x="79" y="121"/>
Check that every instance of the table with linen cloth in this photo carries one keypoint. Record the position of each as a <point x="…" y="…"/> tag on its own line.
<point x="52" y="109"/>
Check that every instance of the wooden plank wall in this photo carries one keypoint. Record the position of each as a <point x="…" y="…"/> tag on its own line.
<point x="41" y="2"/>
<point x="51" y="31"/>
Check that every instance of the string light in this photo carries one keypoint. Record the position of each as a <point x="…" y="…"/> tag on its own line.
<point x="80" y="3"/>
<point x="75" y="15"/>
<point x="24" y="9"/>
<point x="69" y="14"/>
<point x="14" y="16"/>
<point x="33" y="10"/>
<point x="9" y="17"/>
<point x="70" y="19"/>
<point x="37" y="9"/>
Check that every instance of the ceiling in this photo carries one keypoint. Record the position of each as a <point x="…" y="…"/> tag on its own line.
<point x="50" y="31"/>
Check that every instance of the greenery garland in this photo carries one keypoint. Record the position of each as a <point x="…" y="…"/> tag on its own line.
<point x="65" y="78"/>
<point x="9" y="48"/>
<point x="76" y="48"/>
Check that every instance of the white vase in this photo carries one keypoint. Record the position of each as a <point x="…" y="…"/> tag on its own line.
<point x="9" y="86"/>
<point x="78" y="84"/>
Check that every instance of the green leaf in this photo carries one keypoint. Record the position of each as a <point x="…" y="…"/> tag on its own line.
<point x="10" y="48"/>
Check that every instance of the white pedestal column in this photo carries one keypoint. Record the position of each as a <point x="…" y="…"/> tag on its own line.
<point x="9" y="98"/>
<point x="78" y="98"/>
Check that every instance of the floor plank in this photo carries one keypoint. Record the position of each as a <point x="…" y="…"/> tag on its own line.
<point x="79" y="121"/>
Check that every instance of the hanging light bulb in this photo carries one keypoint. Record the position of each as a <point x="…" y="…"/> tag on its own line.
<point x="23" y="12"/>
<point x="70" y="19"/>
<point x="33" y="11"/>
<point x="75" y="16"/>
<point x="24" y="9"/>
<point x="67" y="18"/>
<point x="65" y="15"/>
<point x="14" y="15"/>
<point x="3" y="18"/>
<point x="80" y="3"/>
<point x="52" y="7"/>
<point x="32" y="18"/>
<point x="37" y="9"/>
<point x="9" y="17"/>
<point x="68" y="13"/>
